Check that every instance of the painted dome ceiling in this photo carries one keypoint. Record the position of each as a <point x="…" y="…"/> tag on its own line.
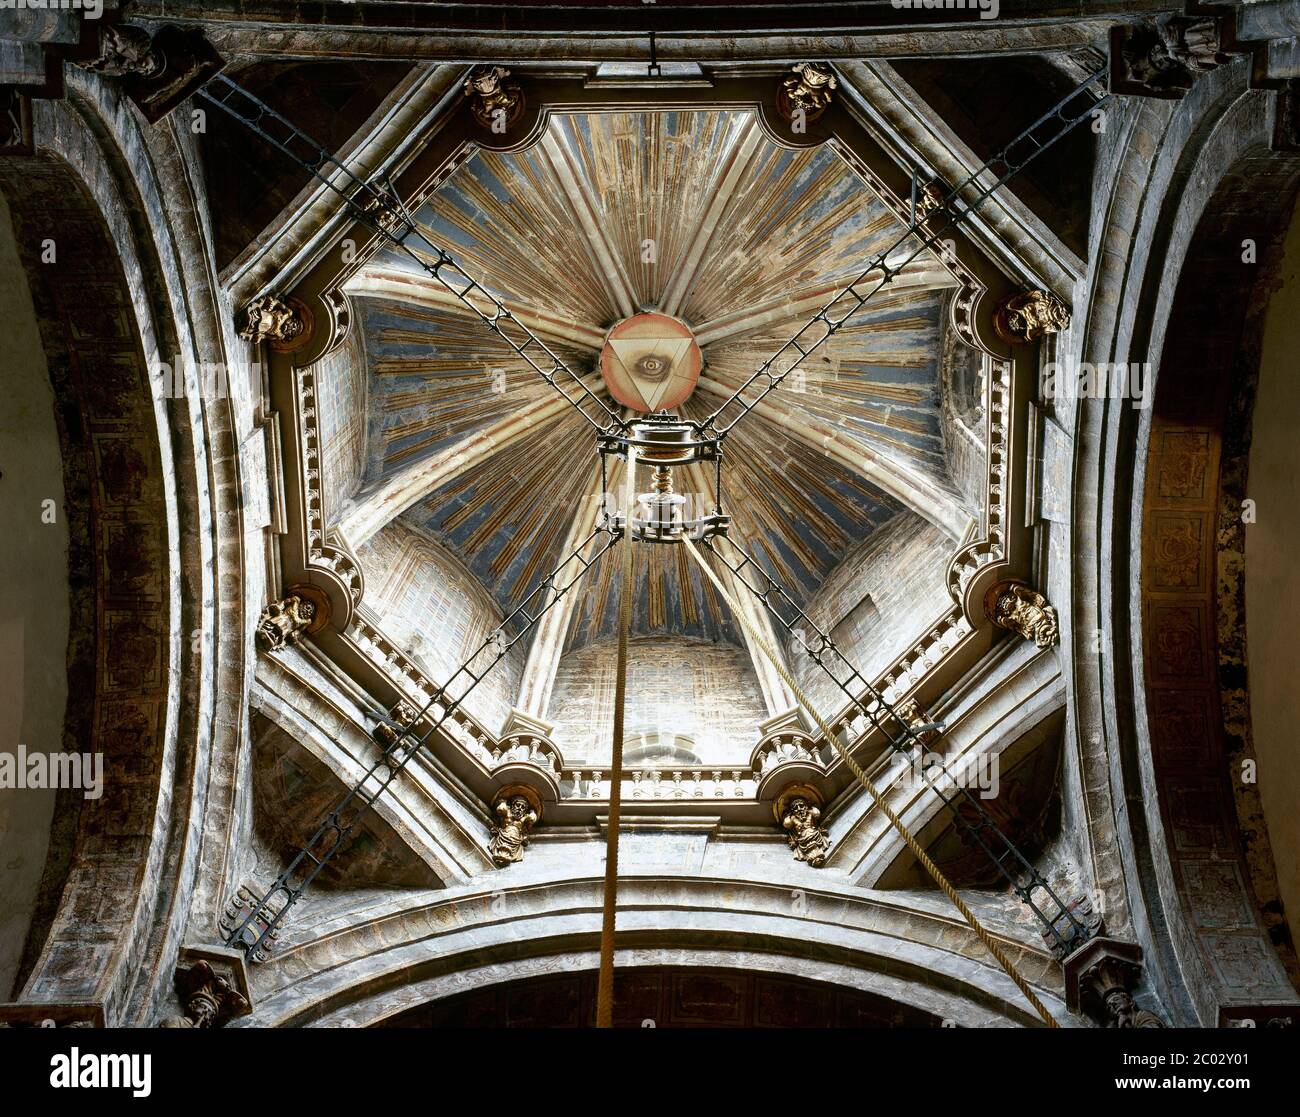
<point x="460" y="479"/>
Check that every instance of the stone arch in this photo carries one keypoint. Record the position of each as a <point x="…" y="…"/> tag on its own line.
<point x="123" y="643"/>
<point x="364" y="967"/>
<point x="668" y="997"/>
<point x="152" y="472"/>
<point x="1181" y="168"/>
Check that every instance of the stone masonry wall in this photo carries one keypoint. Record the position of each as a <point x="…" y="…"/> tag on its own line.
<point x="901" y="569"/>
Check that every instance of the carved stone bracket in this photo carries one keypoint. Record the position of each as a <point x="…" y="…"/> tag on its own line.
<point x="494" y="103"/>
<point x="1164" y="59"/>
<point x="158" y="70"/>
<point x="807" y="89"/>
<point x="929" y="200"/>
<point x="1013" y="605"/>
<point x="798" y="809"/>
<point x="126" y="50"/>
<point x="918" y="720"/>
<point x="1099" y="979"/>
<point x="399" y="717"/>
<point x="213" y="987"/>
<point x="518" y="809"/>
<point x="275" y="320"/>
<point x="1024" y="318"/>
<point x="304" y="611"/>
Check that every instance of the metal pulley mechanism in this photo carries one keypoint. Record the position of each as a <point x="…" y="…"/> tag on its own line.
<point x="661" y="439"/>
<point x="660" y="516"/>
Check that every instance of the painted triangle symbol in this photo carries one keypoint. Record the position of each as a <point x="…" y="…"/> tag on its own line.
<point x="632" y="351"/>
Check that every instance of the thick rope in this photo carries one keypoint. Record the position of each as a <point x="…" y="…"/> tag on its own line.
<point x="912" y="844"/>
<point x="605" y="985"/>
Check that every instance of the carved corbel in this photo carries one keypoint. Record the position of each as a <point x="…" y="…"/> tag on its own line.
<point x="158" y="69"/>
<point x="919" y="721"/>
<point x="1013" y="605"/>
<point x="211" y="992"/>
<point x="1099" y="980"/>
<point x="806" y="92"/>
<point x="517" y="809"/>
<point x="1164" y="59"/>
<point x="799" y="809"/>
<point x="929" y="200"/>
<point x="1025" y="317"/>
<point x="494" y="103"/>
<point x="304" y="611"/>
<point x="126" y="50"/>
<point x="274" y="320"/>
<point x="399" y="718"/>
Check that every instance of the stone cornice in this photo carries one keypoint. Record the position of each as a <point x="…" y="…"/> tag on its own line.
<point x="716" y="32"/>
<point x="1005" y="227"/>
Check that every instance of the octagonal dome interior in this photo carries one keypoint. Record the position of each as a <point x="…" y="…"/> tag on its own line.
<point x="460" y="479"/>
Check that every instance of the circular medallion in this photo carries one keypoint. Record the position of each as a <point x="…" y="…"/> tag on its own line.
<point x="650" y="362"/>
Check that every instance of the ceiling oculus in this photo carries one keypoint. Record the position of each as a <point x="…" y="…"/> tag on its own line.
<point x="650" y="362"/>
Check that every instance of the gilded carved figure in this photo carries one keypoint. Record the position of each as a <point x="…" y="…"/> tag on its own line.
<point x="809" y="841"/>
<point x="807" y="89"/>
<point x="284" y="623"/>
<point x="1029" y="316"/>
<point x="1025" y="612"/>
<point x="517" y="816"/>
<point x="495" y="103"/>
<point x="270" y="319"/>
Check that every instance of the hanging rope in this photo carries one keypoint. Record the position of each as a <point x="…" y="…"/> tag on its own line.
<point x="912" y="844"/>
<point x="605" y="985"/>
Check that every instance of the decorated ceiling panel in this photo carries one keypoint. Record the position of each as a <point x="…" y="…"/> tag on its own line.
<point x="797" y="220"/>
<point x="436" y="377"/>
<point x="794" y="509"/>
<point x="507" y="219"/>
<point x="673" y="598"/>
<point x="511" y="514"/>
<point x="877" y="380"/>
<point x="426" y="600"/>
<point x="636" y="244"/>
<point x="652" y="175"/>
<point x="698" y="703"/>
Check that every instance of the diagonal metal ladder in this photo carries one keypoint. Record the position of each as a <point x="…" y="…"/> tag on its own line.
<point x="1062" y="928"/>
<point x="377" y="205"/>
<point x="260" y="924"/>
<point x="923" y="234"/>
